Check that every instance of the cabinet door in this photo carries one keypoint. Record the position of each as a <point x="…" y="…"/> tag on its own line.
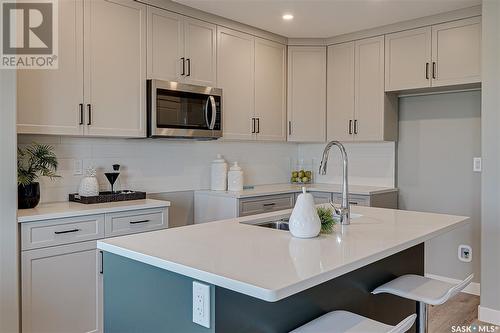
<point x="115" y="74"/>
<point x="62" y="289"/>
<point x="456" y="52"/>
<point x="408" y="59"/>
<point x="270" y="90"/>
<point x="235" y="75"/>
<point x="200" y="52"/>
<point x="165" y="45"/>
<point x="369" y="90"/>
<point x="340" y="97"/>
<point x="307" y="94"/>
<point x="48" y="101"/>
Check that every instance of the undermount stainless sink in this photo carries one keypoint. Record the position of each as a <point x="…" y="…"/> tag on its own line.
<point x="278" y="225"/>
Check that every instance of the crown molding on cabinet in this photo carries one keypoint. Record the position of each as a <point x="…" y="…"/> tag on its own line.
<point x="307" y="42"/>
<point x="215" y="19"/>
<point x="407" y="25"/>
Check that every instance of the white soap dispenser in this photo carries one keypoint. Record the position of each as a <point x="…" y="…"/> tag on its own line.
<point x="304" y="221"/>
<point x="219" y="174"/>
<point x="235" y="178"/>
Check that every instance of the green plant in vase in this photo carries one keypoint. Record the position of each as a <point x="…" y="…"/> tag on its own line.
<point x="33" y="162"/>
<point x="327" y="220"/>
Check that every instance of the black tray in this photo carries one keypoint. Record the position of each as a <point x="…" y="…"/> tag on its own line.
<point x="108" y="197"/>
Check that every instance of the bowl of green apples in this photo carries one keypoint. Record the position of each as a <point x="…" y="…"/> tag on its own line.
<point x="301" y="176"/>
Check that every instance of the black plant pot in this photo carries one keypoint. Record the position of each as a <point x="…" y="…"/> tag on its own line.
<point x="28" y="196"/>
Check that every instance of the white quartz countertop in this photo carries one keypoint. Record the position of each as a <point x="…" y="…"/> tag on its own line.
<point x="47" y="211"/>
<point x="260" y="190"/>
<point x="270" y="264"/>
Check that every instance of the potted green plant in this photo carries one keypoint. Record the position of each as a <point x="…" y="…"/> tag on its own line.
<point x="33" y="162"/>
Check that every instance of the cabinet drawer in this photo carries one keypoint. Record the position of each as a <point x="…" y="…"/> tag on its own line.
<point x="252" y="206"/>
<point x="355" y="200"/>
<point x="136" y="221"/>
<point x="61" y="231"/>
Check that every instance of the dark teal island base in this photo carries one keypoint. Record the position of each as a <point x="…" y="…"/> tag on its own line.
<point x="145" y="299"/>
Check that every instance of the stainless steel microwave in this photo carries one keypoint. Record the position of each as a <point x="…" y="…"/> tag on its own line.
<point x="179" y="110"/>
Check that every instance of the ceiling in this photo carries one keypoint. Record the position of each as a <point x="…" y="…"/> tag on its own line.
<point x="324" y="18"/>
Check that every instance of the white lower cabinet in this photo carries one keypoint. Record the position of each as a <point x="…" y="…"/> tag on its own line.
<point x="62" y="289"/>
<point x="61" y="268"/>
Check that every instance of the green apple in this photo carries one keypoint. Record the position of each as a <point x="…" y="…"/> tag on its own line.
<point x="305" y="179"/>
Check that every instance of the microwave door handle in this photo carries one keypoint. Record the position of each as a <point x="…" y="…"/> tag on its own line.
<point x="214" y="112"/>
<point x="206" y="112"/>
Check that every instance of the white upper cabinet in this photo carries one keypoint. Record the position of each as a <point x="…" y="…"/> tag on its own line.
<point x="180" y="48"/>
<point x="99" y="88"/>
<point x="115" y="68"/>
<point x="456" y="52"/>
<point x="407" y="58"/>
<point x="375" y="113"/>
<point x="340" y="97"/>
<point x="235" y="73"/>
<point x="358" y="108"/>
<point x="200" y="52"/>
<point x="165" y="44"/>
<point x="441" y="55"/>
<point x="51" y="101"/>
<point x="306" y="94"/>
<point x="270" y="90"/>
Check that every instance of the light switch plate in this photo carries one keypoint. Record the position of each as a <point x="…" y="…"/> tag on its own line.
<point x="477" y="164"/>
<point x="78" y="167"/>
<point x="201" y="304"/>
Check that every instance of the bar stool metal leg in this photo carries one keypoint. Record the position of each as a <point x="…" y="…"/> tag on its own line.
<point x="422" y="317"/>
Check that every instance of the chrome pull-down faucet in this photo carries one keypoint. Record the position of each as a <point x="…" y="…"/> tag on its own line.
<point x="344" y="211"/>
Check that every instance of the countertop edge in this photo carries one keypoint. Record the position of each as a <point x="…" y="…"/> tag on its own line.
<point x="266" y="294"/>
<point x="89" y="211"/>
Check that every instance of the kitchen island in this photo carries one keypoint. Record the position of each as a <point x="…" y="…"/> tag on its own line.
<point x="264" y="280"/>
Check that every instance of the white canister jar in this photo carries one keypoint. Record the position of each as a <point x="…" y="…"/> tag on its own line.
<point x="89" y="186"/>
<point x="218" y="174"/>
<point x="235" y="178"/>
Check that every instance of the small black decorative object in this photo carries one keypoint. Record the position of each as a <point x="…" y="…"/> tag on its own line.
<point x="33" y="162"/>
<point x="113" y="176"/>
<point x="28" y="196"/>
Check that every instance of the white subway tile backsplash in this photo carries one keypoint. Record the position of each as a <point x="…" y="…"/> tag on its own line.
<point x="156" y="165"/>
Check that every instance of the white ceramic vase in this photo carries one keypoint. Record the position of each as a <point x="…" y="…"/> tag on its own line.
<point x="235" y="178"/>
<point x="304" y="221"/>
<point x="218" y="174"/>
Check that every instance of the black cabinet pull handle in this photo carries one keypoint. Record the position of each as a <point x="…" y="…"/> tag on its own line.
<point x="427" y="71"/>
<point x="289" y="128"/>
<point x="89" y="120"/>
<point x="188" y="60"/>
<point x="355" y="126"/>
<point x="183" y="66"/>
<point x="433" y="69"/>
<point x="350" y="126"/>
<point x="352" y="203"/>
<point x="138" y="222"/>
<point x="101" y="270"/>
<point x="66" y="231"/>
<point x="258" y="125"/>
<point x="269" y="204"/>
<point x="253" y="125"/>
<point x="81" y="113"/>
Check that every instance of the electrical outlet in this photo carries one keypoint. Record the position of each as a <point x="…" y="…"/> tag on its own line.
<point x="77" y="167"/>
<point x="477" y="164"/>
<point x="201" y="304"/>
<point x="465" y="253"/>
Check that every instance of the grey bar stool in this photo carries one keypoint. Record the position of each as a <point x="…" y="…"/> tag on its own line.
<point x="424" y="290"/>
<point x="348" y="322"/>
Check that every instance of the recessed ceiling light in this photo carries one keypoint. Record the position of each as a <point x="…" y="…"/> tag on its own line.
<point x="287" y="17"/>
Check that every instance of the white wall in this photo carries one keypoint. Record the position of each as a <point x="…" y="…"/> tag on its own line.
<point x="9" y="249"/>
<point x="369" y="163"/>
<point x="439" y="136"/>
<point x="490" y="210"/>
